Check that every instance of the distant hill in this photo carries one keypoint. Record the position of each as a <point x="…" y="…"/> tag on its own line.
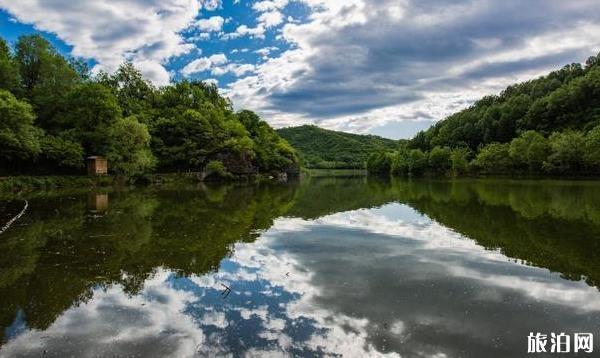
<point x="322" y="148"/>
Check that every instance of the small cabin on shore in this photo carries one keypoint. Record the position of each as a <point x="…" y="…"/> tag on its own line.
<point x="97" y="165"/>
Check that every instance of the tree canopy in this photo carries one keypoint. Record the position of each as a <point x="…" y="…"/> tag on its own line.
<point x="53" y="114"/>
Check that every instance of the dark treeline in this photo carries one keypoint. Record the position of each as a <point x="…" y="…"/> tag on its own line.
<point x="549" y="125"/>
<point x="54" y="113"/>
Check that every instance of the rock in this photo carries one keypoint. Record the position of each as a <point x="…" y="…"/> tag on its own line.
<point x="237" y="163"/>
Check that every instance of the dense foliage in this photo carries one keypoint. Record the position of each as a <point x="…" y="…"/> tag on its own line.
<point x="53" y="114"/>
<point x="327" y="149"/>
<point x="549" y="125"/>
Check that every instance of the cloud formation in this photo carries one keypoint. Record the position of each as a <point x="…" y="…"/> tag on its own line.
<point x="204" y="64"/>
<point x="357" y="65"/>
<point x="144" y="32"/>
<point x="212" y="24"/>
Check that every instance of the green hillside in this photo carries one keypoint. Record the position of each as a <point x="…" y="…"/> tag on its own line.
<point x="549" y="125"/>
<point x="566" y="99"/>
<point x="322" y="148"/>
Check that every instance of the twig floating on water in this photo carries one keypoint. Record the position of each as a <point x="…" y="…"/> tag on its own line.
<point x="226" y="291"/>
<point x="11" y="221"/>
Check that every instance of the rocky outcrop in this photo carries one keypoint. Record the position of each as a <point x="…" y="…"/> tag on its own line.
<point x="237" y="163"/>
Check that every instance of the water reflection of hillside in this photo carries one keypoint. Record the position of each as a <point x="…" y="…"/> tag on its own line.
<point x="64" y="248"/>
<point x="555" y="225"/>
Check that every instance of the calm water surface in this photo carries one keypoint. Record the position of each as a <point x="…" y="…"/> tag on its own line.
<point x="327" y="267"/>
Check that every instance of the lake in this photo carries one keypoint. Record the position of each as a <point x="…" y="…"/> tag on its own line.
<point x="330" y="266"/>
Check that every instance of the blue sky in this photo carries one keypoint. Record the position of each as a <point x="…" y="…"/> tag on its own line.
<point x="387" y="67"/>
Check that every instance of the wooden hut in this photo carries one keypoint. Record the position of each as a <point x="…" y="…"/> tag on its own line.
<point x="97" y="165"/>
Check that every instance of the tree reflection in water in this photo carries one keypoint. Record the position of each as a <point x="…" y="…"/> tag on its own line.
<point x="326" y="266"/>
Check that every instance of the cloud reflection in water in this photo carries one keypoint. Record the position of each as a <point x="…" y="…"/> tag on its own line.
<point x="369" y="282"/>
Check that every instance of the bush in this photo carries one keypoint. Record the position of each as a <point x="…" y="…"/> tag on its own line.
<point x="494" y="158"/>
<point x="529" y="151"/>
<point x="417" y="162"/>
<point x="440" y="159"/>
<point x="215" y="168"/>
<point x="379" y="163"/>
<point x="568" y="150"/>
<point x="61" y="152"/>
<point x="459" y="158"/>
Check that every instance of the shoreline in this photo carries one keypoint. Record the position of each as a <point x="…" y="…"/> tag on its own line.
<point x="28" y="183"/>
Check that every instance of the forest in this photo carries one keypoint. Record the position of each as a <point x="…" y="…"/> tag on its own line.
<point x="546" y="126"/>
<point x="326" y="149"/>
<point x="54" y="113"/>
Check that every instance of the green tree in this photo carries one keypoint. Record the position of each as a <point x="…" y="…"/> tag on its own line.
<point x="417" y="162"/>
<point x="592" y="150"/>
<point x="19" y="138"/>
<point x="129" y="148"/>
<point x="529" y="150"/>
<point x="90" y="111"/>
<point x="379" y="163"/>
<point x="494" y="158"/>
<point x="399" y="165"/>
<point x="60" y="152"/>
<point x="440" y="159"/>
<point x="273" y="153"/>
<point x="134" y="93"/>
<point x="46" y="76"/>
<point x="9" y="74"/>
<point x="183" y="141"/>
<point x="568" y="150"/>
<point x="459" y="158"/>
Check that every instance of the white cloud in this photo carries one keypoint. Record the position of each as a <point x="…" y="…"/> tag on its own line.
<point x="266" y="51"/>
<point x="112" y="32"/>
<point x="196" y="66"/>
<point x="264" y="6"/>
<point x="358" y="65"/>
<point x="218" y="59"/>
<point x="244" y="30"/>
<point x="212" y="24"/>
<point x="215" y="64"/>
<point x="212" y="5"/>
<point x="270" y="19"/>
<point x="154" y="70"/>
<point x="270" y="12"/>
<point x="237" y="69"/>
<point x="203" y="36"/>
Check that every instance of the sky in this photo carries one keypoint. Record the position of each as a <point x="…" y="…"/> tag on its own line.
<point x="385" y="67"/>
